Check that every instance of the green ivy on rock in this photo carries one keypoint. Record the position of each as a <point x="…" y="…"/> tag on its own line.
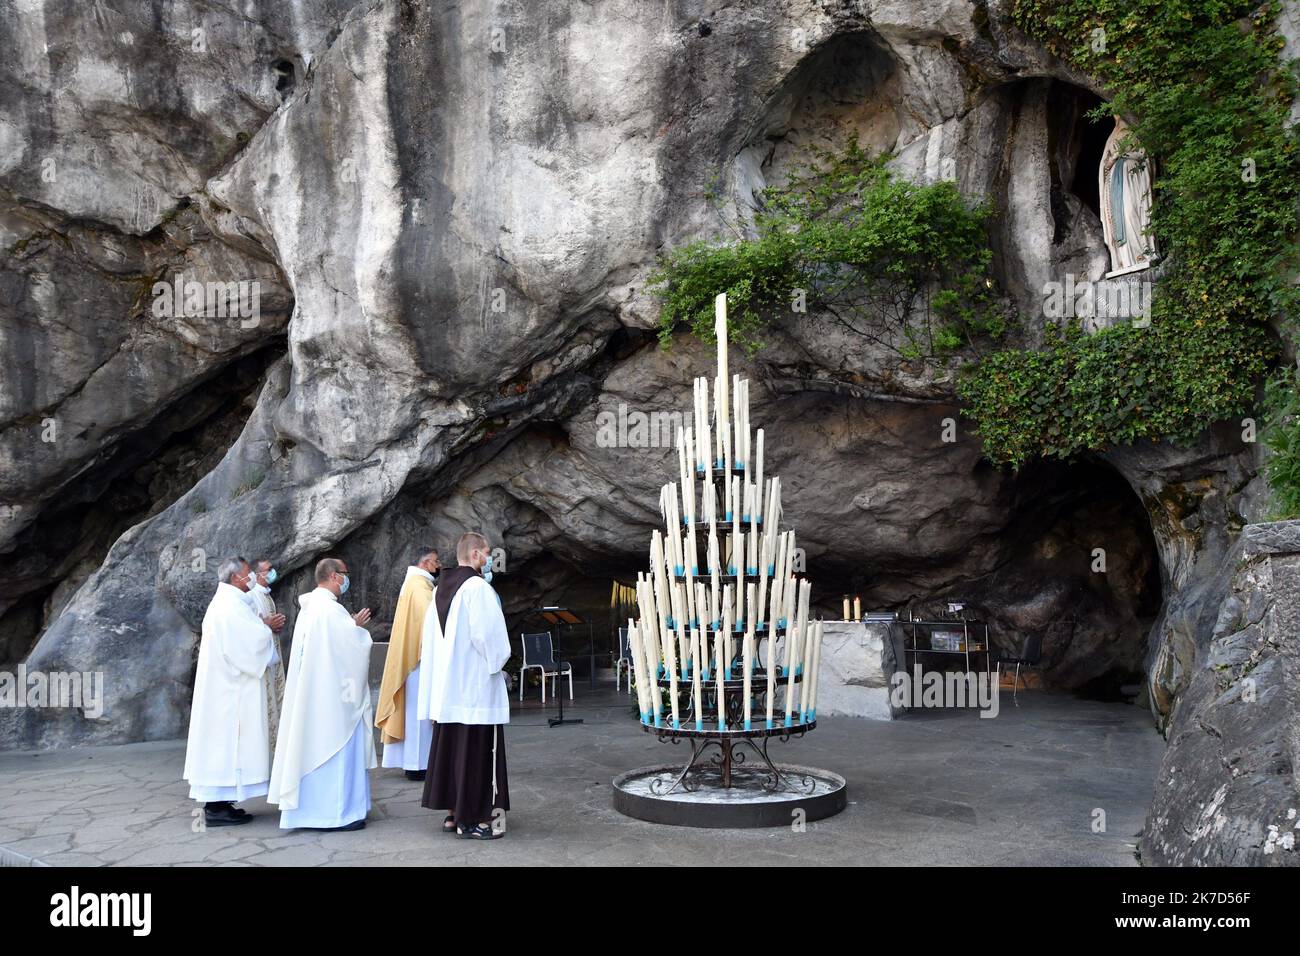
<point x="1201" y="85"/>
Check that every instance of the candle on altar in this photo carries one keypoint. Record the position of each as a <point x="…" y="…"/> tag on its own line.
<point x="719" y="647"/>
<point x="846" y="607"/>
<point x="857" y="607"/>
<point x="697" y="683"/>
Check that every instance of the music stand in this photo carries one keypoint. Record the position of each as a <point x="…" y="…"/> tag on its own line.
<point x="560" y="618"/>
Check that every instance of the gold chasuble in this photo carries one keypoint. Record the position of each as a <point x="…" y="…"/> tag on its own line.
<point x="403" y="654"/>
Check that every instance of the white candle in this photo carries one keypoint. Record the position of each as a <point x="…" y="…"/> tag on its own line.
<point x="857" y="608"/>
<point x="846" y="607"/>
<point x="670" y="658"/>
<point x="737" y="556"/>
<point x="761" y="608"/>
<point x="752" y="540"/>
<point x="715" y="562"/>
<point x="649" y="634"/>
<point x="719" y="645"/>
<point x="814" y="669"/>
<point x="697" y="684"/>
<point x="748" y="666"/>
<point x="771" y="674"/>
<point x="720" y="333"/>
<point x="792" y="648"/>
<point x="652" y="680"/>
<point x="758" y="475"/>
<point x="638" y="665"/>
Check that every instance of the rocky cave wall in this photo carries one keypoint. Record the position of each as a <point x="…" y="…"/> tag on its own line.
<point x="452" y="212"/>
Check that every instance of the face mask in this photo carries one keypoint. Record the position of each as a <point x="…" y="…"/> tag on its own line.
<point x="343" y="588"/>
<point x="487" y="565"/>
<point x="270" y="577"/>
<point x="487" y="576"/>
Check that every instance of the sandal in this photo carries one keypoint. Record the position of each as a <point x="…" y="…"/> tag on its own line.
<point x="481" y="831"/>
<point x="449" y="824"/>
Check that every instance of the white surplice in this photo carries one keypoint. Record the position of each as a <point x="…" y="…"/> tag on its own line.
<point x="228" y="755"/>
<point x="326" y="697"/>
<point x="412" y="751"/>
<point x="460" y="669"/>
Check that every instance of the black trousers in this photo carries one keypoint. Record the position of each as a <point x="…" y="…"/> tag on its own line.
<point x="460" y="772"/>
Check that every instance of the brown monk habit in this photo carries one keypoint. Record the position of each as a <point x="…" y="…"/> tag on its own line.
<point x="460" y="755"/>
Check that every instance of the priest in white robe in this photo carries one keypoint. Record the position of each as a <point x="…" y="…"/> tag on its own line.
<point x="228" y="755"/>
<point x="259" y="598"/>
<point x="319" y="776"/>
<point x="405" y="737"/>
<point x="463" y="690"/>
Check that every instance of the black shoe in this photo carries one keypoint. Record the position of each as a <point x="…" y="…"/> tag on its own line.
<point x="415" y="774"/>
<point x="225" y="816"/>
<point x="354" y="825"/>
<point x="483" y="831"/>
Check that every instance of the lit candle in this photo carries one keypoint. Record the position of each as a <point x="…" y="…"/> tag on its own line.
<point x="697" y="684"/>
<point x="857" y="607"/>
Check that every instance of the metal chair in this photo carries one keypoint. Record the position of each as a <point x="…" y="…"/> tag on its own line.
<point x="539" y="653"/>
<point x="1030" y="654"/>
<point x="624" y="661"/>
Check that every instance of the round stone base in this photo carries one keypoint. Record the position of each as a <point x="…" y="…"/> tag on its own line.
<point x="744" y="804"/>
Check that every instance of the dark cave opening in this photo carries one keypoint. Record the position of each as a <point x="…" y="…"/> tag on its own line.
<point x="1077" y="564"/>
<point x="145" y="473"/>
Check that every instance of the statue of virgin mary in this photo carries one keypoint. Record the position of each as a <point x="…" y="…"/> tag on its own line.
<point x="1125" y="192"/>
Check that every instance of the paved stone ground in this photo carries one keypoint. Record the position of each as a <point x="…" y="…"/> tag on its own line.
<point x="939" y="787"/>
